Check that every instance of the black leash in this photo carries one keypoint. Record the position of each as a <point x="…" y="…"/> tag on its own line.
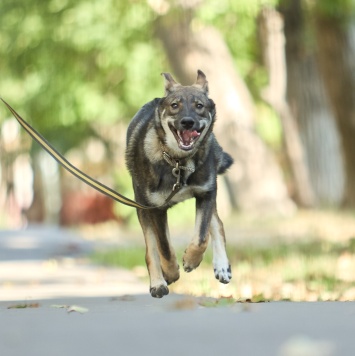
<point x="102" y="188"/>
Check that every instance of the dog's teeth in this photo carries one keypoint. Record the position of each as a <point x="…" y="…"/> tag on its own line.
<point x="187" y="138"/>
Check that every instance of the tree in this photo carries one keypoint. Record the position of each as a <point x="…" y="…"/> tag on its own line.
<point x="255" y="182"/>
<point x="336" y="52"/>
<point x="310" y="106"/>
<point x="68" y="64"/>
<point x="272" y="39"/>
<point x="71" y="67"/>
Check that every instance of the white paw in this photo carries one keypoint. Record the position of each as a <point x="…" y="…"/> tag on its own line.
<point x="223" y="272"/>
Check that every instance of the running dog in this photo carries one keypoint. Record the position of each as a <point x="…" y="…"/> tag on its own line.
<point x="172" y="155"/>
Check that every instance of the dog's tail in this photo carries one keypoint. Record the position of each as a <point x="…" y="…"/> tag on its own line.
<point x="225" y="162"/>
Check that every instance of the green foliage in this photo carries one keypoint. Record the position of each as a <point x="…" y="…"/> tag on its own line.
<point x="268" y="126"/>
<point x="236" y="20"/>
<point x="67" y="63"/>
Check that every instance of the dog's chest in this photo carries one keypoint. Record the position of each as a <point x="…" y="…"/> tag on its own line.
<point x="185" y="192"/>
<point x="188" y="192"/>
<point x="162" y="178"/>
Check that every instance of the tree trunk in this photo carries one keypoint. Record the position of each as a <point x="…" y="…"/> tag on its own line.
<point x="273" y="46"/>
<point x="309" y="105"/>
<point x="336" y="45"/>
<point x="255" y="180"/>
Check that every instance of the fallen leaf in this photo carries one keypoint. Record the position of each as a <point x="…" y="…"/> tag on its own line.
<point x="78" y="309"/>
<point x="71" y="308"/>
<point x="59" y="306"/>
<point x="23" y="306"/>
<point x="184" y="304"/>
<point x="220" y="302"/>
<point x="208" y="303"/>
<point x="258" y="298"/>
<point x="226" y="301"/>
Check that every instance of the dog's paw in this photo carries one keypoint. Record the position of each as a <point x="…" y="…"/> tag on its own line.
<point x="188" y="267"/>
<point x="172" y="274"/>
<point x="223" y="273"/>
<point x="159" y="291"/>
<point x="192" y="257"/>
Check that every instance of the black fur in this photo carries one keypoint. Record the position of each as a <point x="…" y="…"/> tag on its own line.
<point x="180" y="124"/>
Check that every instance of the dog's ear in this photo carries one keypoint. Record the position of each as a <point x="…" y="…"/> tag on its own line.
<point x="201" y="81"/>
<point x="170" y="83"/>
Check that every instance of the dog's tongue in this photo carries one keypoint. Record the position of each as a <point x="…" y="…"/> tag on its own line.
<point x="187" y="136"/>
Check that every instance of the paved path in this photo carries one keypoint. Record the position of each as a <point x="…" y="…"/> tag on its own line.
<point x="141" y="325"/>
<point x="46" y="262"/>
<point x="38" y="268"/>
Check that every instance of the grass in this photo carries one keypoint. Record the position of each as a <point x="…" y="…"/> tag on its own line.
<point x="300" y="271"/>
<point x="129" y="257"/>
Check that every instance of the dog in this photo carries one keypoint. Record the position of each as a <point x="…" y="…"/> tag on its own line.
<point x="173" y="155"/>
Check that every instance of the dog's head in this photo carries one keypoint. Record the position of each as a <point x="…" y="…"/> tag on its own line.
<point x="186" y="114"/>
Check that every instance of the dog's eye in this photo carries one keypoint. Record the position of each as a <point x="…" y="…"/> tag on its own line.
<point x="174" y="105"/>
<point x="199" y="106"/>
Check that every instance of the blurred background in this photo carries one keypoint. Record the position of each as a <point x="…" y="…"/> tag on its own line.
<point x="282" y="74"/>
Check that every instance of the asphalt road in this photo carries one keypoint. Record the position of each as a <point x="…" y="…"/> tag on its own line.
<point x="141" y="325"/>
<point x="66" y="316"/>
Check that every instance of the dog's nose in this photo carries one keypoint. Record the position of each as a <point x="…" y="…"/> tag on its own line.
<point x="187" y="123"/>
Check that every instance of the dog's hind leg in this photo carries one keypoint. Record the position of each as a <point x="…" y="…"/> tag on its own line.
<point x="160" y="257"/>
<point x="221" y="266"/>
<point x="168" y="260"/>
<point x="194" y="252"/>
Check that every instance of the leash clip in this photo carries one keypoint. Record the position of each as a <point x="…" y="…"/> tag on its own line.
<point x="176" y="173"/>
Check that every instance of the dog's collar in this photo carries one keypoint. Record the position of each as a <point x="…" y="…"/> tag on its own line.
<point x="175" y="162"/>
<point x="177" y="167"/>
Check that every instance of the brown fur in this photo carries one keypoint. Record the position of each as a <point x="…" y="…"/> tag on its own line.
<point x="180" y="124"/>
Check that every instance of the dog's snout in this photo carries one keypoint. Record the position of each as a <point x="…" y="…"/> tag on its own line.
<point x="187" y="123"/>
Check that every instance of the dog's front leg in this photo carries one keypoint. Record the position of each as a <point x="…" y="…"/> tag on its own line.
<point x="160" y="256"/>
<point x="221" y="266"/>
<point x="194" y="252"/>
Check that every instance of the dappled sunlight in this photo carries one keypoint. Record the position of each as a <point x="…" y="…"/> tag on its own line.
<point x="296" y="259"/>
<point x="293" y="277"/>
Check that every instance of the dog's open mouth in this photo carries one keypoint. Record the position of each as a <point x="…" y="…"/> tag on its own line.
<point x="186" y="139"/>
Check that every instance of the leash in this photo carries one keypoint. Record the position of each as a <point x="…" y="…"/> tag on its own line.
<point x="102" y="188"/>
